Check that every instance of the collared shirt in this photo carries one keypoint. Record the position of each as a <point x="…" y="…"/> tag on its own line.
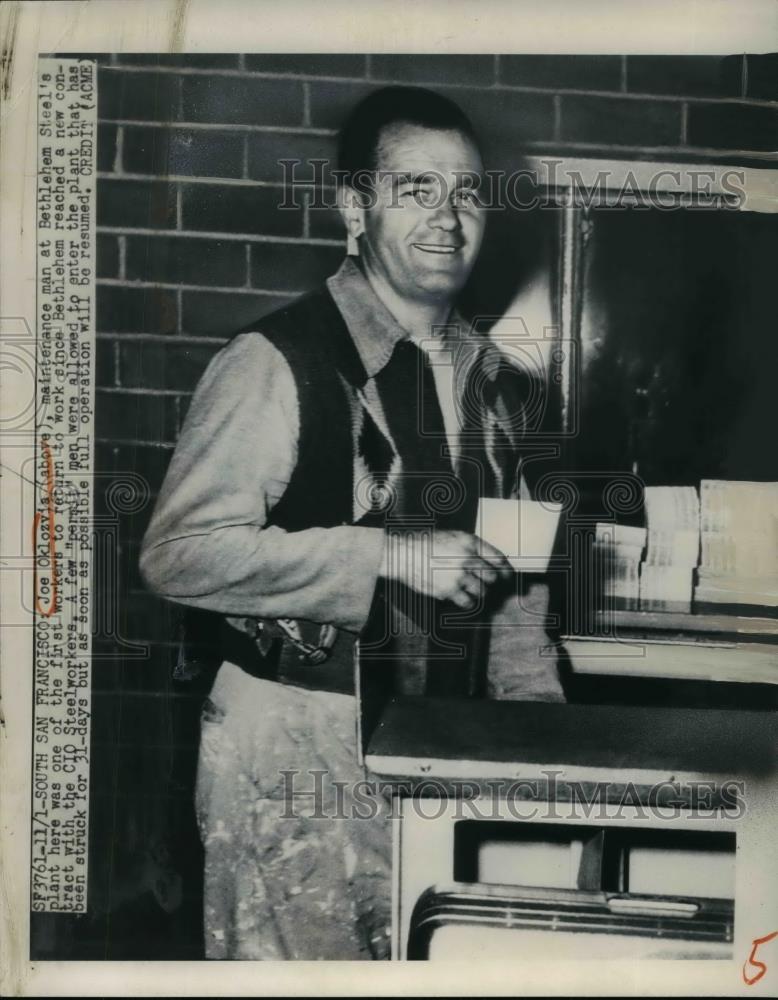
<point x="376" y="333"/>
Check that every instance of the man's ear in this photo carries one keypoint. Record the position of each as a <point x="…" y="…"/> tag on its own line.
<point x="353" y="215"/>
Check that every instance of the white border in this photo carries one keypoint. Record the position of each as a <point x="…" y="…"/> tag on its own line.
<point x="541" y="26"/>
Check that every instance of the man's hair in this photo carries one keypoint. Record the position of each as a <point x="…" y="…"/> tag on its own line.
<point x="360" y="135"/>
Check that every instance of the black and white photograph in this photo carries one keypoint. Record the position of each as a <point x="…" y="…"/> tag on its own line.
<point x="396" y="539"/>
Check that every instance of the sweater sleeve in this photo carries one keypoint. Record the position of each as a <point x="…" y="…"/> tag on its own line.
<point x="208" y="544"/>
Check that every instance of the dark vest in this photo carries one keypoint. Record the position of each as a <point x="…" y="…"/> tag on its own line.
<point x="316" y="343"/>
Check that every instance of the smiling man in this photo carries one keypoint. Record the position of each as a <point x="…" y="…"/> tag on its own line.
<point x="325" y="488"/>
<point x="417" y="259"/>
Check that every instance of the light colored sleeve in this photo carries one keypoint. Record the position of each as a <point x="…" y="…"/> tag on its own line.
<point x="208" y="544"/>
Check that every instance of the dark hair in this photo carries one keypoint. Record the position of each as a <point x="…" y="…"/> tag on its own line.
<point x="361" y="133"/>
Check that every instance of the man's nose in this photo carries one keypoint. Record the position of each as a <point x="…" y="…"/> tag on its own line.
<point x="445" y="217"/>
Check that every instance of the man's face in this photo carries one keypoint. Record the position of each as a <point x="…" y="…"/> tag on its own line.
<point x="423" y="234"/>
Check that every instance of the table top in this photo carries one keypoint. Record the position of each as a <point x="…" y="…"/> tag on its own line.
<point x="480" y="738"/>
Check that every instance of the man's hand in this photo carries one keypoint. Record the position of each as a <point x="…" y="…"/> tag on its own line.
<point x="447" y="565"/>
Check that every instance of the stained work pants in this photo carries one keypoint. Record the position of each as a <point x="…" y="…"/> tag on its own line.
<point x="297" y="862"/>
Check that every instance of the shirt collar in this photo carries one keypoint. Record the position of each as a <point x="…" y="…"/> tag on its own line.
<point x="372" y="326"/>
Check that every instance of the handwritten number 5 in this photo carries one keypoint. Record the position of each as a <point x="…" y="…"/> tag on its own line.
<point x="752" y="960"/>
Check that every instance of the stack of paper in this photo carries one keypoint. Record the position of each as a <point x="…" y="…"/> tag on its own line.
<point x="666" y="576"/>
<point x="617" y="553"/>
<point x="739" y="534"/>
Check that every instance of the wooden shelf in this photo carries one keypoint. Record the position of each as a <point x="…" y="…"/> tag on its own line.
<point x="679" y="622"/>
<point x="702" y="657"/>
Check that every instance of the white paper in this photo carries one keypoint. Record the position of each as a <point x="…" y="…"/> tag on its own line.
<point x="523" y="530"/>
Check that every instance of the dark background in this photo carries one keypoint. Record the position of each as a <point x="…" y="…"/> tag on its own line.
<point x="190" y="248"/>
<point x="678" y="348"/>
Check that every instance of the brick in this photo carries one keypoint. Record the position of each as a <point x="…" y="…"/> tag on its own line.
<point x="143" y="617"/>
<point x="620" y="121"/>
<point x="267" y="149"/>
<point x="102" y="771"/>
<point x="188" y="60"/>
<point x="331" y="102"/>
<point x="175" y="719"/>
<point x="136" y="310"/>
<point x="182" y="151"/>
<point x="308" y="64"/>
<point x="150" y="675"/>
<point x="106" y="672"/>
<point x="124" y="416"/>
<point x="733" y="126"/>
<point x="153" y="365"/>
<point x="116" y="495"/>
<point x="174" y="711"/>
<point x="236" y="100"/>
<point x="150" y="463"/>
<point x="106" y="146"/>
<point x="107" y="252"/>
<point x="219" y="314"/>
<point x="292" y="267"/>
<point x="326" y="223"/>
<point x="149" y="767"/>
<point x="143" y="712"/>
<point x="106" y="713"/>
<point x="138" y="96"/>
<point x="561" y="72"/>
<point x="136" y="204"/>
<point x="466" y="69"/>
<point x="105" y="366"/>
<point x="182" y="406"/>
<point x="130" y="567"/>
<point x="105" y="456"/>
<point x="762" y="76"/>
<point x="186" y="260"/>
<point x="239" y="209"/>
<point x="685" y="76"/>
<point x="133" y="525"/>
<point x="492" y="112"/>
<point x="660" y="154"/>
<point x="495" y="113"/>
<point x="113" y="647"/>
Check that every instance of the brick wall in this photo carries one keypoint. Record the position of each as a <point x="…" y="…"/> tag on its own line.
<point x="191" y="247"/>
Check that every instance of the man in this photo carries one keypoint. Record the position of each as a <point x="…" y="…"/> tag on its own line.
<point x="325" y="488"/>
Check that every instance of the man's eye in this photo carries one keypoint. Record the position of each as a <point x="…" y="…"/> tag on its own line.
<point x="466" y="198"/>
<point x="421" y="195"/>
